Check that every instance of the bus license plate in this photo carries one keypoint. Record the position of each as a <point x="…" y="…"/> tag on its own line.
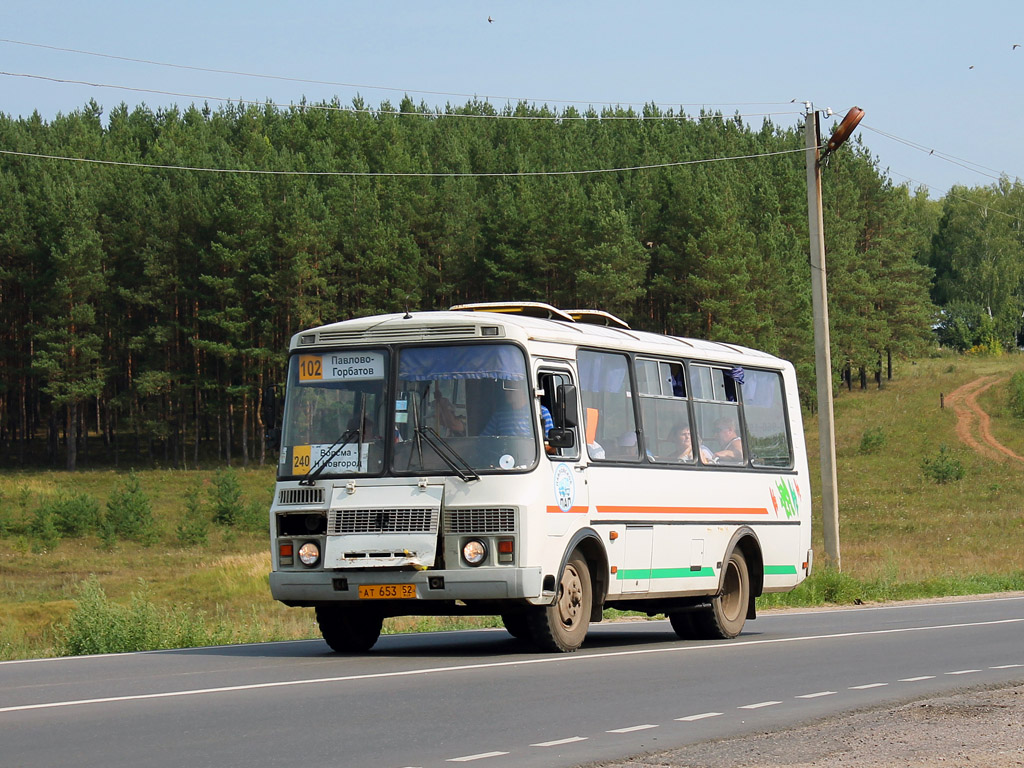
<point x="387" y="591"/>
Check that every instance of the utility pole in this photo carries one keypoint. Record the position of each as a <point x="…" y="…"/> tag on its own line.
<point x="819" y="302"/>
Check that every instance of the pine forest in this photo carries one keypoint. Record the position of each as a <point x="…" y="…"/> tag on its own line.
<point x="146" y="303"/>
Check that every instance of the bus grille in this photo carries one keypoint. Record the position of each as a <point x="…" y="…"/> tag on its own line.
<point x="301" y="496"/>
<point x="381" y="521"/>
<point x="489" y="520"/>
<point x="441" y="333"/>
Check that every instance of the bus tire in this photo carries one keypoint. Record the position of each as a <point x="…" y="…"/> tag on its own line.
<point x="517" y="625"/>
<point x="561" y="626"/>
<point x="682" y="624"/>
<point x="725" y="617"/>
<point x="349" y="630"/>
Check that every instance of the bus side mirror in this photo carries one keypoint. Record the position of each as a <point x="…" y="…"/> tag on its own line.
<point x="567" y="408"/>
<point x="561" y="438"/>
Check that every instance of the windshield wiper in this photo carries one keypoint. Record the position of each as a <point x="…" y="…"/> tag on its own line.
<point x="423" y="433"/>
<point x="328" y="457"/>
<point x="448" y="455"/>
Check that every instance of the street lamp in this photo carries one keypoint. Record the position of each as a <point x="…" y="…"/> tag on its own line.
<point x="819" y="302"/>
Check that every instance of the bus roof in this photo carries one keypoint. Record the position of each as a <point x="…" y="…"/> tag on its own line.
<point x="533" y="323"/>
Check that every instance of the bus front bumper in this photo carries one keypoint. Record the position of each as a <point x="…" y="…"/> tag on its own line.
<point x="299" y="588"/>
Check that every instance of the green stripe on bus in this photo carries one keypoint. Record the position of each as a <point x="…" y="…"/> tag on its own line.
<point x="662" y="573"/>
<point x="780" y="570"/>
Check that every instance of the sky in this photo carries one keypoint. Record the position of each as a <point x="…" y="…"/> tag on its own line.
<point x="940" y="82"/>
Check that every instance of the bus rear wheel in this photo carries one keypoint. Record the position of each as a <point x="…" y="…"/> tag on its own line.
<point x="349" y="630"/>
<point x="727" y="614"/>
<point x="561" y="626"/>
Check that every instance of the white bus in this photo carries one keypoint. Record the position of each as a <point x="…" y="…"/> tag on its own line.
<point x="537" y="464"/>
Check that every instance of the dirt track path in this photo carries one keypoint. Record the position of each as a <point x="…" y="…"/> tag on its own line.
<point x="973" y="425"/>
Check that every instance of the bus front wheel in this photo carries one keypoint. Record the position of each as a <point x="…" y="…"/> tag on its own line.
<point x="726" y="615"/>
<point x="562" y="625"/>
<point x="349" y="630"/>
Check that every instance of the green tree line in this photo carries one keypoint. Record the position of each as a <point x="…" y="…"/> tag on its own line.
<point x="144" y="311"/>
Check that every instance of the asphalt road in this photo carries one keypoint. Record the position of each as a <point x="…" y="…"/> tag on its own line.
<point x="480" y="697"/>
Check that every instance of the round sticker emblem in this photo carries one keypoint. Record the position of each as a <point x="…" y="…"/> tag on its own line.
<point x="565" y="487"/>
<point x="506" y="461"/>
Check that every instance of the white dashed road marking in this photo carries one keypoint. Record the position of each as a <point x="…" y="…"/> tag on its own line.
<point x="633" y="728"/>
<point x="560" y="742"/>
<point x="469" y="758"/>
<point x="963" y="672"/>
<point x="868" y="685"/>
<point x="817" y="695"/>
<point x="701" y="716"/>
<point x="759" y="705"/>
<point x="916" y="679"/>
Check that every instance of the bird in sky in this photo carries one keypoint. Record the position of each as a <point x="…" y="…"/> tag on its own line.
<point x="490" y="20"/>
<point x="971" y="67"/>
<point x="1015" y="46"/>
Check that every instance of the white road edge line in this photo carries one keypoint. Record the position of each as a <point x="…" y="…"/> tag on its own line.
<point x="95" y="656"/>
<point x="916" y="679"/>
<point x="1007" y="666"/>
<point x="701" y="716"/>
<point x="759" y="705"/>
<point x="963" y="672"/>
<point x="817" y="695"/>
<point x="481" y="756"/>
<point x="868" y="685"/>
<point x="562" y="659"/>
<point x="560" y="742"/>
<point x="633" y="728"/>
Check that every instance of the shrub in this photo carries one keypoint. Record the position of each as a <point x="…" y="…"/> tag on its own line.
<point x="942" y="468"/>
<point x="226" y="498"/>
<point x="73" y="516"/>
<point x="45" y="534"/>
<point x="873" y="440"/>
<point x="1016" y="396"/>
<point x="194" y="527"/>
<point x="129" y="513"/>
<point x="97" y="625"/>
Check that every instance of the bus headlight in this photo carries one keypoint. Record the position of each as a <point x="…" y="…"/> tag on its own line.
<point x="474" y="552"/>
<point x="309" y="554"/>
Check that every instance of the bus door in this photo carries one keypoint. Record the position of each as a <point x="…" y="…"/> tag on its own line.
<point x="567" y="498"/>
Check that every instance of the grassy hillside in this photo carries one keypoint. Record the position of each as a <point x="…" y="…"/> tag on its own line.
<point x="902" y="533"/>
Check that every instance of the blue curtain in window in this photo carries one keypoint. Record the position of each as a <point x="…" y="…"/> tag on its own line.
<point x="490" y="361"/>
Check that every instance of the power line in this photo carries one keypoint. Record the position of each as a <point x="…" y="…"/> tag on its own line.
<point x="362" y="86"/>
<point x="554" y="118"/>
<point x="392" y="174"/>
<point x="965" y="164"/>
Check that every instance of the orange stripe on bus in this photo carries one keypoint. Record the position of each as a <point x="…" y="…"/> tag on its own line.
<point x="684" y="510"/>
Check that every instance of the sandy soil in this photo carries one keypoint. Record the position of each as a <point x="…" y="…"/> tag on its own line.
<point x="981" y="728"/>
<point x="973" y="424"/>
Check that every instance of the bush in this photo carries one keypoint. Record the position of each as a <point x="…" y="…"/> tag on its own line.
<point x="129" y="513"/>
<point x="43" y="528"/>
<point x="73" y="516"/>
<point x="97" y="625"/>
<point x="873" y="440"/>
<point x="226" y="498"/>
<point x="943" y="468"/>
<point x="194" y="527"/>
<point x="1016" y="395"/>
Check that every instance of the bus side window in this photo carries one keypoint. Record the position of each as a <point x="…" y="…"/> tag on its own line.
<point x="563" y="441"/>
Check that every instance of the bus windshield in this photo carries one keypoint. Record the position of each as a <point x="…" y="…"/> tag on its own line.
<point x="334" y="421"/>
<point x="474" y="397"/>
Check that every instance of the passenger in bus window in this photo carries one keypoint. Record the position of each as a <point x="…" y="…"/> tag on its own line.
<point x="731" y="451"/>
<point x="684" y="447"/>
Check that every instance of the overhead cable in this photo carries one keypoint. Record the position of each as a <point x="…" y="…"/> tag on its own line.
<point x="393" y="174"/>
